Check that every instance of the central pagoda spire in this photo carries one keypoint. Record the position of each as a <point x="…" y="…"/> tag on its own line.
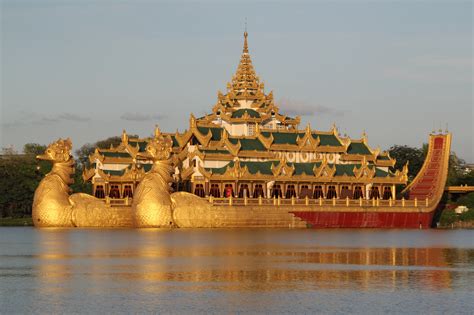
<point x="245" y="83"/>
<point x="246" y="48"/>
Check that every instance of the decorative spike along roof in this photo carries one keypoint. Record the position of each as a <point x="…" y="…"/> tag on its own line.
<point x="265" y="168"/>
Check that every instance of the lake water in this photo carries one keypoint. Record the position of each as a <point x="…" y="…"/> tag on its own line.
<point x="229" y="271"/>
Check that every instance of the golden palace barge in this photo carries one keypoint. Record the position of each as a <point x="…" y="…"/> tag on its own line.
<point x="245" y="165"/>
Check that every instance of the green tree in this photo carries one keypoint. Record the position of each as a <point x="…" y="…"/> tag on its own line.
<point x="87" y="149"/>
<point x="19" y="177"/>
<point x="34" y="148"/>
<point x="454" y="170"/>
<point x="403" y="154"/>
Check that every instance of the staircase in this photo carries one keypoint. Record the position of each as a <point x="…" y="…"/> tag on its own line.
<point x="430" y="181"/>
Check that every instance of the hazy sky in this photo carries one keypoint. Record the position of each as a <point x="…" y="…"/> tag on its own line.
<point x="88" y="69"/>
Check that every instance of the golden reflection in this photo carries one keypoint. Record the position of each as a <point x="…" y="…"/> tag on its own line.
<point x="156" y="260"/>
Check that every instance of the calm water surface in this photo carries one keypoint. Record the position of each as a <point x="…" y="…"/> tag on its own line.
<point x="230" y="271"/>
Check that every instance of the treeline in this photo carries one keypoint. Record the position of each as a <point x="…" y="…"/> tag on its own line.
<point x="20" y="174"/>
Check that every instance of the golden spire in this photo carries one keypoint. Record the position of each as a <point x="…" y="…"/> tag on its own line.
<point x="246" y="47"/>
<point x="124" y="137"/>
<point x="157" y="132"/>
<point x="245" y="83"/>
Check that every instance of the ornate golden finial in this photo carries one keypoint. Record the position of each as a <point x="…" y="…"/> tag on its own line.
<point x="192" y="121"/>
<point x="124" y="137"/>
<point x="246" y="47"/>
<point x="157" y="132"/>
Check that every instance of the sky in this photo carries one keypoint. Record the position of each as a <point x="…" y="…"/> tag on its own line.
<point x="89" y="69"/>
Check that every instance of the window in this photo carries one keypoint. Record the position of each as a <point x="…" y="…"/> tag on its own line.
<point x="258" y="191"/>
<point x="114" y="191"/>
<point x="346" y="192"/>
<point x="387" y="192"/>
<point x="331" y="192"/>
<point x="318" y="192"/>
<point x="244" y="188"/>
<point x="127" y="191"/>
<point x="358" y="192"/>
<point x="99" y="191"/>
<point x="215" y="191"/>
<point x="290" y="191"/>
<point x="276" y="191"/>
<point x="305" y="191"/>
<point x="374" y="193"/>
<point x="199" y="190"/>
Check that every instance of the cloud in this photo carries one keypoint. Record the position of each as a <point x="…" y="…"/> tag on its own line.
<point x="300" y="108"/>
<point x="31" y="118"/>
<point x="45" y="121"/>
<point x="141" y="117"/>
<point x="73" y="117"/>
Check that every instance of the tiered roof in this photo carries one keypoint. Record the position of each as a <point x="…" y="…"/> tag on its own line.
<point x="320" y="171"/>
<point x="246" y="102"/>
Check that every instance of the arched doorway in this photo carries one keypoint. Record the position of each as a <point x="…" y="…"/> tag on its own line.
<point x="99" y="192"/>
<point x="276" y="191"/>
<point x="114" y="192"/>
<point x="346" y="192"/>
<point x="318" y="192"/>
<point x="374" y="193"/>
<point x="199" y="190"/>
<point x="290" y="191"/>
<point x="387" y="192"/>
<point x="331" y="192"/>
<point x="127" y="191"/>
<point x="358" y="192"/>
<point x="258" y="191"/>
<point x="244" y="190"/>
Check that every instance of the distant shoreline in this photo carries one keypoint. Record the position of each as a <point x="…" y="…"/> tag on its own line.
<point x="26" y="221"/>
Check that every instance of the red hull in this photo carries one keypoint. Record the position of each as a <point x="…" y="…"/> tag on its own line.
<point x="408" y="220"/>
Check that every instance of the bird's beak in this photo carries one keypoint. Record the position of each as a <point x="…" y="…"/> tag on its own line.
<point x="43" y="157"/>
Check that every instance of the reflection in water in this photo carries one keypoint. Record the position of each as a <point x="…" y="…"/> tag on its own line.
<point x="212" y="270"/>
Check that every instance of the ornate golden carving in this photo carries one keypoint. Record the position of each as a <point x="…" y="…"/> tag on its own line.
<point x="54" y="207"/>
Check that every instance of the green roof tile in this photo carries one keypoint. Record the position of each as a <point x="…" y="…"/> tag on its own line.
<point x="306" y="168"/>
<point x="282" y="137"/>
<point x="253" y="167"/>
<point x="146" y="167"/>
<point x="345" y="169"/>
<point x="381" y="173"/>
<point x="240" y="113"/>
<point x="216" y="132"/>
<point x="358" y="148"/>
<point x="327" y="140"/>
<point x="114" y="173"/>
<point x="265" y="168"/>
<point x="115" y="154"/>
<point x="248" y="144"/>
<point x="175" y="142"/>
<point x="141" y="145"/>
